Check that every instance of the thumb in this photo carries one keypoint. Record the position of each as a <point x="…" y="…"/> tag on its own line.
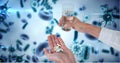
<point x="46" y="51"/>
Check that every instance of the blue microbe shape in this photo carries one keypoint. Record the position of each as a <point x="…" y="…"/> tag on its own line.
<point x="46" y="15"/>
<point x="39" y="49"/>
<point x="24" y="36"/>
<point x="35" y="59"/>
<point x="90" y="36"/>
<point x="1" y="36"/>
<point x="3" y="58"/>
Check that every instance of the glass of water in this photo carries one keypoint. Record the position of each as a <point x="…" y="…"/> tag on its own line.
<point x="67" y="13"/>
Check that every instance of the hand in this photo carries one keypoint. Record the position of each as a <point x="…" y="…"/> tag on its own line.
<point x="75" y="24"/>
<point x="62" y="57"/>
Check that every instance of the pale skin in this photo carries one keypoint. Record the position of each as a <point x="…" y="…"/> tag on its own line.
<point x="67" y="56"/>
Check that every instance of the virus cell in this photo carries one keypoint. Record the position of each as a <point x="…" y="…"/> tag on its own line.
<point x="12" y="57"/>
<point x="39" y="49"/>
<point x="24" y="37"/>
<point x="96" y="23"/>
<point x="76" y="49"/>
<point x="82" y="8"/>
<point x="18" y="43"/>
<point x="19" y="58"/>
<point x="28" y="57"/>
<point x="101" y="60"/>
<point x="46" y="15"/>
<point x="112" y="50"/>
<point x="11" y="49"/>
<point x="54" y="1"/>
<point x="81" y="51"/>
<point x="18" y="14"/>
<point x="49" y="30"/>
<point x="3" y="58"/>
<point x="46" y="4"/>
<point x="35" y="59"/>
<point x="109" y="15"/>
<point x="105" y="51"/>
<point x="1" y="36"/>
<point x="26" y="47"/>
<point x="75" y="36"/>
<point x="34" y="4"/>
<point x="21" y="3"/>
<point x="47" y="61"/>
<point x="29" y="15"/>
<point x="34" y="42"/>
<point x="57" y="34"/>
<point x="90" y="36"/>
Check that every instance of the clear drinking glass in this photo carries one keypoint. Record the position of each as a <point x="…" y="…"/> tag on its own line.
<point x="67" y="12"/>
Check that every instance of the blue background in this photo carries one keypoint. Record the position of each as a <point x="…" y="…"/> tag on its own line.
<point x="38" y="28"/>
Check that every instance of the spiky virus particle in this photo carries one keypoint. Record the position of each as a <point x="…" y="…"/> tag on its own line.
<point x="76" y="49"/>
<point x="108" y="15"/>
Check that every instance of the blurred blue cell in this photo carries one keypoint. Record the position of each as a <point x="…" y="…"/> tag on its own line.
<point x="34" y="42"/>
<point x="46" y="4"/>
<point x="76" y="48"/>
<point x="21" y="3"/>
<point x="39" y="49"/>
<point x="46" y="15"/>
<point x="94" y="22"/>
<point x="26" y="47"/>
<point x="75" y="36"/>
<point x="81" y="51"/>
<point x="54" y="1"/>
<point x="24" y="37"/>
<point x="56" y="20"/>
<point x="49" y="30"/>
<point x="24" y="20"/>
<point x="112" y="50"/>
<point x="24" y="26"/>
<point x="81" y="42"/>
<point x="3" y="58"/>
<point x="105" y="51"/>
<point x="2" y="17"/>
<point x="90" y="37"/>
<point x="117" y="54"/>
<point x="12" y="57"/>
<point x="35" y="59"/>
<point x="101" y="60"/>
<point x="3" y="30"/>
<point x="19" y="42"/>
<point x="82" y="8"/>
<point x="28" y="57"/>
<point x="18" y="47"/>
<point x="29" y="15"/>
<point x="10" y="23"/>
<point x="11" y="49"/>
<point x="57" y="34"/>
<point x="34" y="4"/>
<point x="19" y="58"/>
<point x="18" y="14"/>
<point x="26" y="61"/>
<point x="1" y="36"/>
<point x="25" y="23"/>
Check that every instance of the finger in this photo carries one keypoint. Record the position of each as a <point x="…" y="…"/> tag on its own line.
<point x="46" y="51"/>
<point x="61" y="21"/>
<point x="53" y="40"/>
<point x="57" y="41"/>
<point x="62" y="43"/>
<point x="50" y="43"/>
